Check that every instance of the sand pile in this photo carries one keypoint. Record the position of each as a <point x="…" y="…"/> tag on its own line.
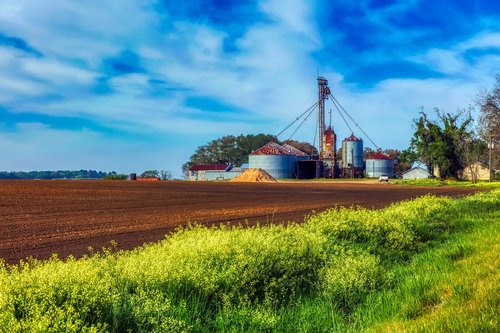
<point x="254" y="175"/>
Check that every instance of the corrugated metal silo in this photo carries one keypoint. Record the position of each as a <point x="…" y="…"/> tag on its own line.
<point x="277" y="160"/>
<point x="352" y="152"/>
<point x="378" y="164"/>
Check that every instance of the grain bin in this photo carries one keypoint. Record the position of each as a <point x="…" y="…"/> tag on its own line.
<point x="277" y="160"/>
<point x="352" y="157"/>
<point x="378" y="164"/>
<point x="352" y="152"/>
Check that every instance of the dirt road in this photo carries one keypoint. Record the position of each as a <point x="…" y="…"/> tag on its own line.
<point x="38" y="218"/>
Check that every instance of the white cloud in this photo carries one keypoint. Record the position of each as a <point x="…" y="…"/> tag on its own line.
<point x="295" y="15"/>
<point x="482" y="40"/>
<point x="57" y="72"/>
<point x="451" y="60"/>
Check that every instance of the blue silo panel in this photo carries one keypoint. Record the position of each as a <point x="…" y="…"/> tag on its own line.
<point x="278" y="166"/>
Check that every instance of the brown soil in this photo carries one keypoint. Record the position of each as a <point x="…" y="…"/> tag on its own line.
<point x="38" y="218"/>
<point x="254" y="175"/>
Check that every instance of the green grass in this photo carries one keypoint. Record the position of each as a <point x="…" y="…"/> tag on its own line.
<point x="428" y="265"/>
<point x="361" y="180"/>
<point x="437" y="182"/>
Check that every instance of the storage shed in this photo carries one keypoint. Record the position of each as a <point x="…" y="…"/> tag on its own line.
<point x="201" y="171"/>
<point x="416" y="173"/>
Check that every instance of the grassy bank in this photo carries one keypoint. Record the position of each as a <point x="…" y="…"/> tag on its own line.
<point x="437" y="182"/>
<point x="422" y="265"/>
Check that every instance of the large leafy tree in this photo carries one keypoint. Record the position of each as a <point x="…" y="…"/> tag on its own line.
<point x="228" y="149"/>
<point x="439" y="144"/>
<point x="489" y="119"/>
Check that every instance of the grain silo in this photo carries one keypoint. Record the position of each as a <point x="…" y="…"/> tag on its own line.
<point x="352" y="157"/>
<point x="277" y="160"/>
<point x="379" y="164"/>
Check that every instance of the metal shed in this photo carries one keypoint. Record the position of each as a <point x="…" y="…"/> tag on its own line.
<point x="416" y="173"/>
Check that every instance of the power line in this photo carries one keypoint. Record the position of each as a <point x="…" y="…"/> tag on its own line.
<point x="299" y="117"/>
<point x="355" y="123"/>
<point x="303" y="121"/>
<point x="343" y="118"/>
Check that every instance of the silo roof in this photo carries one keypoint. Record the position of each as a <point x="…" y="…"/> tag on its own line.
<point x="379" y="156"/>
<point x="272" y="148"/>
<point x="294" y="151"/>
<point x="352" y="138"/>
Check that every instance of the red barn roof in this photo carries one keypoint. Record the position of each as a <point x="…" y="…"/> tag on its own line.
<point x="379" y="156"/>
<point x="205" y="167"/>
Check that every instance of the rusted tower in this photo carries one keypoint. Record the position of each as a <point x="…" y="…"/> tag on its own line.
<point x="323" y="92"/>
<point x="327" y="137"/>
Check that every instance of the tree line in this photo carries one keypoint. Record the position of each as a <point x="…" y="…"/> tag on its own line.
<point x="81" y="174"/>
<point x="59" y="174"/>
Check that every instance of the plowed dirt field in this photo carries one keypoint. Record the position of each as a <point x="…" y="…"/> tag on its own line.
<point x="38" y="218"/>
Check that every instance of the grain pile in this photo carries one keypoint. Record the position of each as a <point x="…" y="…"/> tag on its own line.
<point x="254" y="175"/>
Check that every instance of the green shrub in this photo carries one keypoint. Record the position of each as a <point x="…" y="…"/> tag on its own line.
<point x="349" y="276"/>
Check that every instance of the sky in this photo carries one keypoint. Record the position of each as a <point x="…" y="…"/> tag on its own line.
<point x="132" y="85"/>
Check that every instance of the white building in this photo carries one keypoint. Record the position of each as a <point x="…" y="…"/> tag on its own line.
<point x="416" y="173"/>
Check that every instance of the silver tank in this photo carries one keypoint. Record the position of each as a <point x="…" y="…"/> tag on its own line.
<point x="278" y="166"/>
<point x="376" y="167"/>
<point x="352" y="152"/>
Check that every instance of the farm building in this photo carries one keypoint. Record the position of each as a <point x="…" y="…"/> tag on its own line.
<point x="416" y="173"/>
<point x="227" y="174"/>
<point x="200" y="171"/>
<point x="215" y="171"/>
<point x="479" y="170"/>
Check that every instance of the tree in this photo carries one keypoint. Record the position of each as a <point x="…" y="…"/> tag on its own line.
<point x="489" y="119"/>
<point x="473" y="153"/>
<point x="150" y="174"/>
<point x="406" y="159"/>
<point x="402" y="160"/>
<point x="367" y="152"/>
<point x="115" y="176"/>
<point x="165" y="175"/>
<point x="440" y="144"/>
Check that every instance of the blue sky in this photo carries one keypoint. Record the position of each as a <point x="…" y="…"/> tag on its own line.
<point x="129" y="85"/>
